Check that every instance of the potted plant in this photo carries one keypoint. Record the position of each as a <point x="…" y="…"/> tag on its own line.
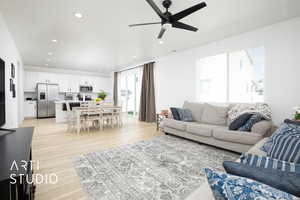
<point x="297" y="114"/>
<point x="101" y="96"/>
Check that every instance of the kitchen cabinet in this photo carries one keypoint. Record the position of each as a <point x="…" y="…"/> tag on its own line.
<point x="96" y="84"/>
<point x="44" y="77"/>
<point x="66" y="82"/>
<point x="31" y="78"/>
<point x="30" y="109"/>
<point x="73" y="84"/>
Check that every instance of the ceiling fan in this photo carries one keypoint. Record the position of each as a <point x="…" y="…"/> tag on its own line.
<point x="170" y="20"/>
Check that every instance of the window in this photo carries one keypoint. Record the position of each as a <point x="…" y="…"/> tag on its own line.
<point x="130" y="90"/>
<point x="212" y="73"/>
<point x="232" y="77"/>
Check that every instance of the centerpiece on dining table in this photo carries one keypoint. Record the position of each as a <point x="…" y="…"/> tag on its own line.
<point x="101" y="96"/>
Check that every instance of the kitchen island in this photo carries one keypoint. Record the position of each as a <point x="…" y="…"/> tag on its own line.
<point x="61" y="111"/>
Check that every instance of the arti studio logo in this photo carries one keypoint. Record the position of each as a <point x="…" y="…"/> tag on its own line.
<point x="20" y="173"/>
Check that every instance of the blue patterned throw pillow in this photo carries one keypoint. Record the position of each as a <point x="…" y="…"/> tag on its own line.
<point x="185" y="115"/>
<point x="229" y="187"/>
<point x="240" y="121"/>
<point x="257" y="117"/>
<point x="175" y="113"/>
<point x="284" y="129"/>
<point x="269" y="163"/>
<point x="286" y="148"/>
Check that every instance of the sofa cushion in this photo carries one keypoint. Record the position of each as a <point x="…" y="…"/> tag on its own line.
<point x="236" y="136"/>
<point x="285" y="181"/>
<point x="263" y="128"/>
<point x="216" y="115"/>
<point x="179" y="125"/>
<point x="196" y="109"/>
<point x="200" y="129"/>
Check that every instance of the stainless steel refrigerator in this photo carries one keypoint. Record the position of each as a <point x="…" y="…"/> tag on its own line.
<point x="47" y="94"/>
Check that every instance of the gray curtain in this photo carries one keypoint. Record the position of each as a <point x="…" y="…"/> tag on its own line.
<point x="147" y="104"/>
<point x="115" y="88"/>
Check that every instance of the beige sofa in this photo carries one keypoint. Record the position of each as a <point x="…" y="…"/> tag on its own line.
<point x="204" y="191"/>
<point x="210" y="126"/>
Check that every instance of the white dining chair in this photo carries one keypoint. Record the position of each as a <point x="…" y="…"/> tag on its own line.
<point x="107" y="116"/>
<point x="94" y="118"/>
<point x="72" y="118"/>
<point x="117" y="117"/>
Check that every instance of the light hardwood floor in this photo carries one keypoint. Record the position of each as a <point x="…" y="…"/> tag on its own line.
<point x="54" y="148"/>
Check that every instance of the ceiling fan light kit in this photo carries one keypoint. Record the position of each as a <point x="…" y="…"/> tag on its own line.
<point x="169" y="20"/>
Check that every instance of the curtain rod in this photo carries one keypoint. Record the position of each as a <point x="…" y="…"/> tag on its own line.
<point x="140" y="65"/>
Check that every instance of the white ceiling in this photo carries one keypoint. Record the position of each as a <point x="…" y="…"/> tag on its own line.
<point x="102" y="40"/>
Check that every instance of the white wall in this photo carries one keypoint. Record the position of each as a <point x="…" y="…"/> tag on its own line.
<point x="176" y="79"/>
<point x="9" y="53"/>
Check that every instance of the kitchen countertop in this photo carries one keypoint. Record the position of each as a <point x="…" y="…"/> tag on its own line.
<point x="70" y="101"/>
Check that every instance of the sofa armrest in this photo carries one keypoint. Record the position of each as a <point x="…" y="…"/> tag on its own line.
<point x="263" y="128"/>
<point x="170" y="116"/>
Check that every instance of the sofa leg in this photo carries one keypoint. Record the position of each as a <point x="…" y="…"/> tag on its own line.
<point x="166" y="133"/>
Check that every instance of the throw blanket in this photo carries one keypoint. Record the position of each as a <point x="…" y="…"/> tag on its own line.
<point x="239" y="109"/>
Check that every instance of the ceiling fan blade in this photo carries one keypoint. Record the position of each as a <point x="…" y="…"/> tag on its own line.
<point x="156" y="9"/>
<point x="144" y="24"/>
<point x="161" y="33"/>
<point x="188" y="11"/>
<point x="184" y="26"/>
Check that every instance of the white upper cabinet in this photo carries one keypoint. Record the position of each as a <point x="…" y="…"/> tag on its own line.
<point x="30" y="81"/>
<point x="66" y="82"/>
<point x="63" y="82"/>
<point x="43" y="77"/>
<point x="74" y="83"/>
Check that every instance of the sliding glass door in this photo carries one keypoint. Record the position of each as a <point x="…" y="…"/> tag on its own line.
<point x="130" y="91"/>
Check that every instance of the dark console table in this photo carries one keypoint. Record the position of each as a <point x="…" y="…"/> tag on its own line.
<point x="15" y="148"/>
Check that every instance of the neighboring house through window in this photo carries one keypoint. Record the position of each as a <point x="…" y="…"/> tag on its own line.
<point x="232" y="77"/>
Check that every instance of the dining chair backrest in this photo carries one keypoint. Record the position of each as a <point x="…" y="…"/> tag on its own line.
<point x="84" y="104"/>
<point x="94" y="112"/>
<point x="68" y="106"/>
<point x="107" y="103"/>
<point x="92" y="104"/>
<point x="98" y="103"/>
<point x="70" y="112"/>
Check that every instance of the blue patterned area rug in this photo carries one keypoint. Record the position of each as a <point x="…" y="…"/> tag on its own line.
<point x="161" y="168"/>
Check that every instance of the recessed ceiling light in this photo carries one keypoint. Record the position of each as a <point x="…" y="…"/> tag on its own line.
<point x="48" y="60"/>
<point x="46" y="64"/>
<point x="160" y="42"/>
<point x="78" y="15"/>
<point x="54" y="40"/>
<point x="50" y="53"/>
<point x="134" y="57"/>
